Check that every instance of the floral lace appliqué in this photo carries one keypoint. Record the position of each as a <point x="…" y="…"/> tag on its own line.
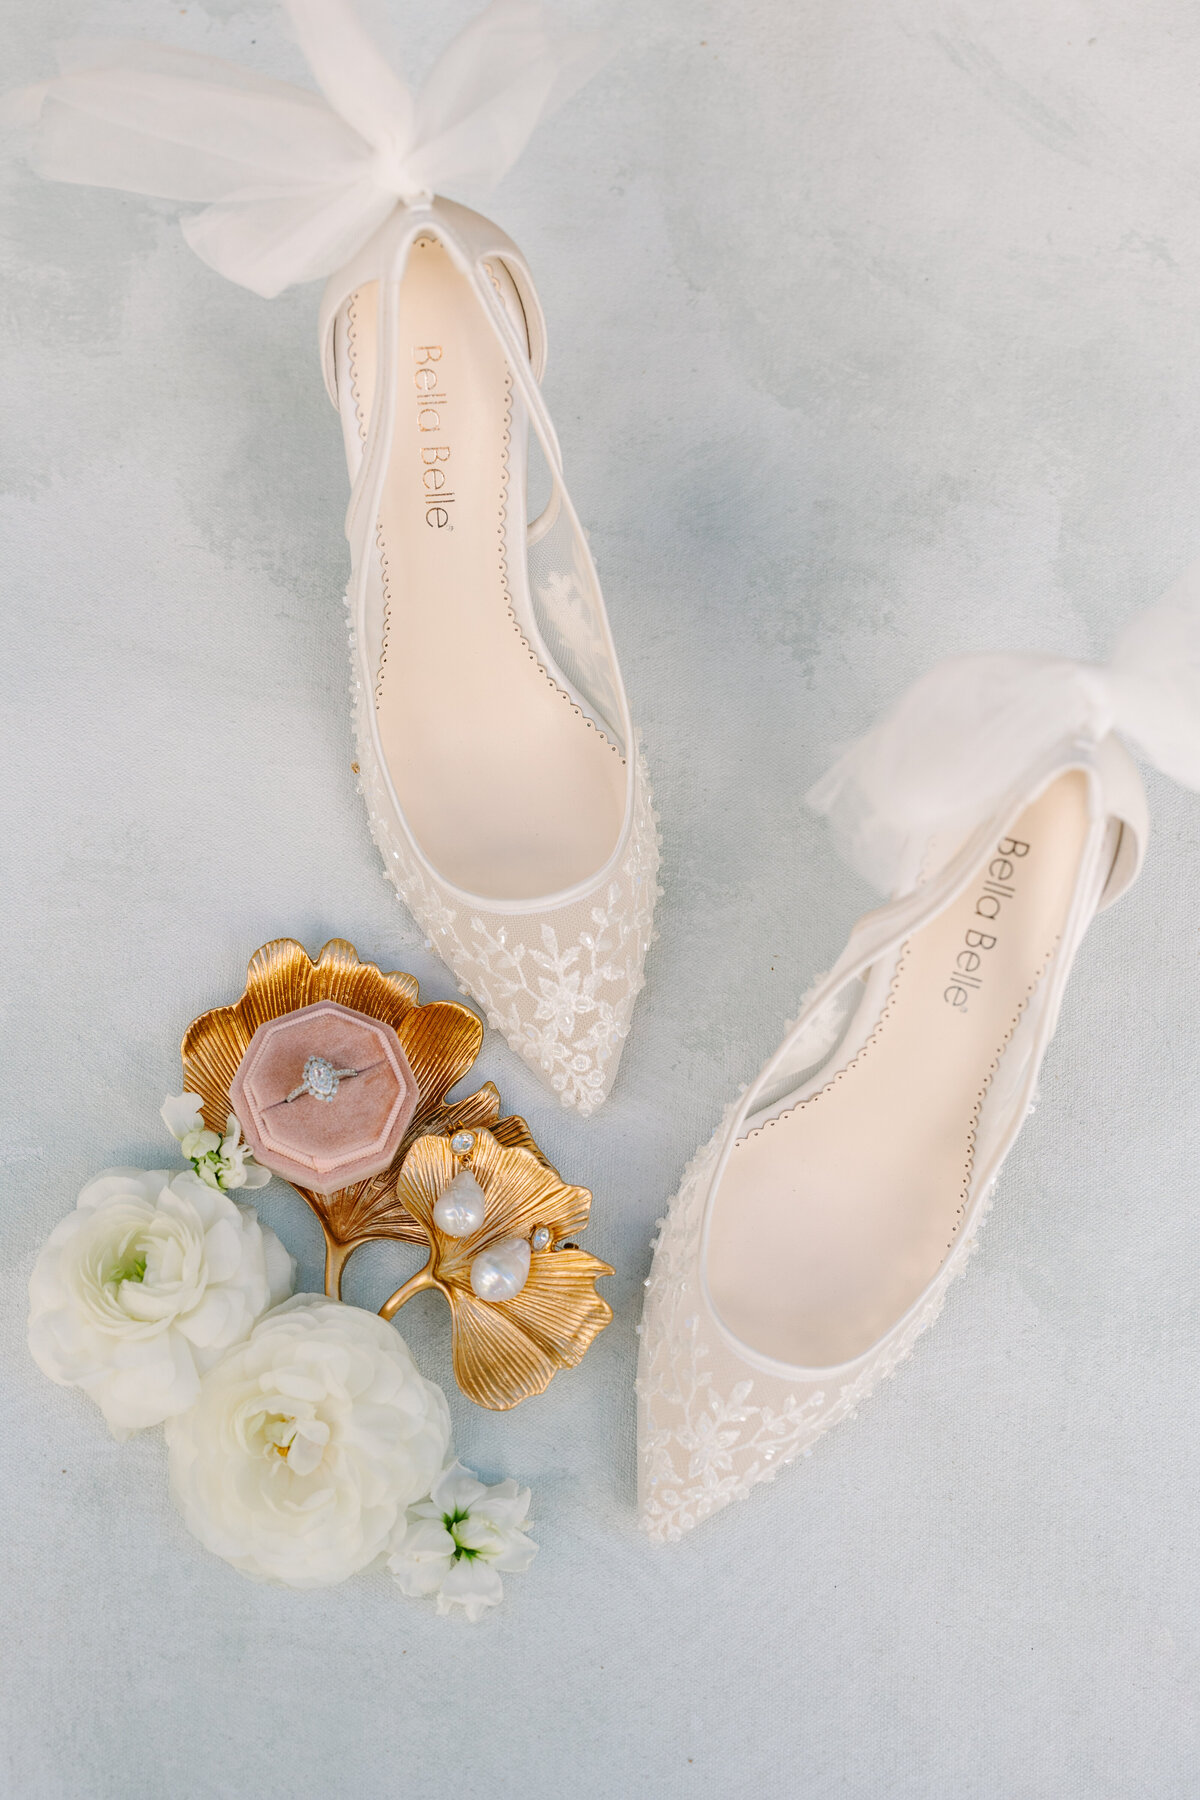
<point x="710" y="1425"/>
<point x="560" y="986"/>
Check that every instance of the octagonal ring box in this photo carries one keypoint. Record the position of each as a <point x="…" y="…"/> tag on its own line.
<point x="312" y="1142"/>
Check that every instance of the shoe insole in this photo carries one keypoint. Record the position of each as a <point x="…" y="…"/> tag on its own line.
<point x="510" y="790"/>
<point x="833" y="1216"/>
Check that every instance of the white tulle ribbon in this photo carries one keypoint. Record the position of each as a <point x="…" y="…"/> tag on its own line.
<point x="295" y="183"/>
<point x="962" y="736"/>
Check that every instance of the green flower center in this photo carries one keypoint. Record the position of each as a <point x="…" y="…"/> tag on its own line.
<point x="462" y="1552"/>
<point x="133" y="1270"/>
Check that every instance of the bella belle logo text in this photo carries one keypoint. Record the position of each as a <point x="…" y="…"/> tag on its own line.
<point x="969" y="965"/>
<point x="436" y="497"/>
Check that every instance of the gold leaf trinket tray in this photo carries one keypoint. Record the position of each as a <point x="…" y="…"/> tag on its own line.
<point x="339" y="1077"/>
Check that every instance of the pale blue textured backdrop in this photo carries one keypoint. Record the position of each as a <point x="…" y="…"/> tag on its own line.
<point x="875" y="335"/>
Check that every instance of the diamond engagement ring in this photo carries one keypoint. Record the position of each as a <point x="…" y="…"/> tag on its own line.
<point x="321" y="1080"/>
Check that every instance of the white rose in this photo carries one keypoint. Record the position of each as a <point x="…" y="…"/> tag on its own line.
<point x="144" y="1286"/>
<point x="307" y="1443"/>
<point x="456" y="1543"/>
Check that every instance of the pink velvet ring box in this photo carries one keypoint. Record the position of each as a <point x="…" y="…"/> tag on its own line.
<point x="313" y="1142"/>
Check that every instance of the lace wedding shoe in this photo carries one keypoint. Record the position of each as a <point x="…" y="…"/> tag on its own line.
<point x="815" y="1235"/>
<point x="502" y="777"/>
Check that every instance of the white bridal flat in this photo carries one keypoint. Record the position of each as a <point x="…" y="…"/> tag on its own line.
<point x="501" y="773"/>
<point x="495" y="746"/>
<point x="815" y="1235"/>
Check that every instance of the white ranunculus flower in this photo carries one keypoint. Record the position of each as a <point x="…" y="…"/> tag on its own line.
<point x="457" y="1543"/>
<point x="144" y="1286"/>
<point x="220" y="1162"/>
<point x="307" y="1443"/>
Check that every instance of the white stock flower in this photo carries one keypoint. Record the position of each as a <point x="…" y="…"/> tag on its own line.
<point x="144" y="1286"/>
<point x="181" y="1115"/>
<point x="220" y="1162"/>
<point x="457" y="1543"/>
<point x="307" y="1443"/>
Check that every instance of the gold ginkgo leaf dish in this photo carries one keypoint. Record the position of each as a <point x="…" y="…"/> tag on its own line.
<point x="522" y="1295"/>
<point x="439" y="1039"/>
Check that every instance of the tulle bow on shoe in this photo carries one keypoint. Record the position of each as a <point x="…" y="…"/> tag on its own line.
<point x="963" y="734"/>
<point x="295" y="184"/>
